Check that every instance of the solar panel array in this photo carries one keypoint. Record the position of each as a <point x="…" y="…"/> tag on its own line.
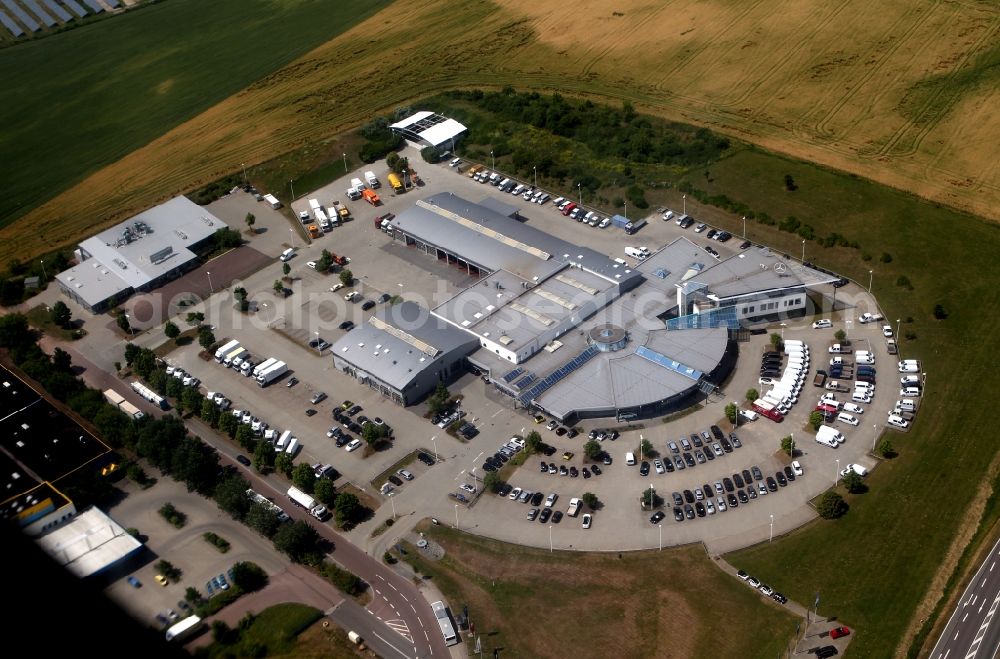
<point x="8" y="23"/>
<point x="667" y="363"/>
<point x="60" y="13"/>
<point x="39" y="12"/>
<point x="93" y="4"/>
<point x="114" y="4"/>
<point x="551" y="379"/>
<point x="525" y="381"/>
<point x="26" y="21"/>
<point x="710" y="319"/>
<point x="510" y="377"/>
<point x="75" y="7"/>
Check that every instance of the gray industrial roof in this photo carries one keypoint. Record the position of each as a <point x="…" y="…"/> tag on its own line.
<point x="88" y="543"/>
<point x="399" y="342"/>
<point x="624" y="379"/>
<point x="139" y="250"/>
<point x="435" y="129"/>
<point x="500" y="251"/>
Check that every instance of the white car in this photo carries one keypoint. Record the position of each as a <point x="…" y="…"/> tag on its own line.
<point x="336" y="287"/>
<point x="354" y="445"/>
<point x="514" y="494"/>
<point x="887" y="331"/>
<point x="587" y="519"/>
<point x="869" y="318"/>
<point x="909" y="367"/>
<point x="701" y="227"/>
<point x="710" y="507"/>
<point x="471" y="489"/>
<point x="907" y="380"/>
<point x="796" y="467"/>
<point x="861" y="397"/>
<point x="898" y="421"/>
<point x="721" y="503"/>
<point x="856" y="468"/>
<point x="604" y="223"/>
<point x="406" y="475"/>
<point x="825" y="323"/>
<point x="311" y="264"/>
<point x="853" y="409"/>
<point x="455" y="162"/>
<point x="551" y="499"/>
<point x="658" y="465"/>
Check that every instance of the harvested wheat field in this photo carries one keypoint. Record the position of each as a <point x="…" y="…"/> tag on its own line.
<point x="901" y="91"/>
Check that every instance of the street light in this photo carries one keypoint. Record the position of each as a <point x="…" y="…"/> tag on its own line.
<point x="292" y="186"/>
<point x="345" y="163"/>
<point x="803" y="251"/>
<point x="494" y="160"/>
<point x="897" y="330"/>
<point x="580" y="190"/>
<point x="684" y="199"/>
<point x="210" y="287"/>
<point x="661" y="536"/>
<point x="736" y="414"/>
<point x="44" y="276"/>
<point x="782" y="331"/>
<point x="550" y="538"/>
<point x="848" y="324"/>
<point x="744" y="226"/>
<point x="771" y="536"/>
<point x="875" y="436"/>
<point x="456" y="515"/>
<point x="391" y="501"/>
<point x="435" y="447"/>
<point x="535" y="170"/>
<point x="130" y="328"/>
<point x="871" y="274"/>
<point x="244" y="166"/>
<point x="640" y="447"/>
<point x="836" y="477"/>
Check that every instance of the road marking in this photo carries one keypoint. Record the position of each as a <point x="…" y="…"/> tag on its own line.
<point x="400" y="627"/>
<point x="405" y="599"/>
<point x="983" y="582"/>
<point x="420" y="620"/>
<point x="380" y="577"/>
<point x="495" y="414"/>
<point x="947" y="653"/>
<point x="427" y="636"/>
<point x="391" y="646"/>
<point x="414" y="608"/>
<point x="393" y="587"/>
<point x="965" y="616"/>
<point x="385" y="598"/>
<point x="955" y="637"/>
<point x="991" y="565"/>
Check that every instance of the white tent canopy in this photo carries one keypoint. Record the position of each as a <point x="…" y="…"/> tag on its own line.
<point x="430" y="128"/>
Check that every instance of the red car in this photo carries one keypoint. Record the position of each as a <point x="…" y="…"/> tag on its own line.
<point x="839" y="632"/>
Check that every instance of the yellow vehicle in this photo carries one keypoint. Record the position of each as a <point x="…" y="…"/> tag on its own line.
<point x="160" y="579"/>
<point x="475" y="169"/>
<point x="397" y="185"/>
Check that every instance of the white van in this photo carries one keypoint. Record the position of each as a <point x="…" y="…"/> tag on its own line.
<point x="749" y="415"/>
<point x="832" y="433"/>
<point x="518" y="189"/>
<point x="909" y="392"/>
<point x="860" y="396"/>
<point x="847" y="418"/>
<point x="794" y="342"/>
<point x="630" y="459"/>
<point x="906" y="405"/>
<point x="639" y="253"/>
<point x="293" y="446"/>
<point x="287" y="254"/>
<point x="283" y="440"/>
<point x="898" y="421"/>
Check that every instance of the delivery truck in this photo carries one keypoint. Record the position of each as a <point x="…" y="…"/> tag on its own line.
<point x="315" y="508"/>
<point x="227" y="348"/>
<point x="270" y="375"/>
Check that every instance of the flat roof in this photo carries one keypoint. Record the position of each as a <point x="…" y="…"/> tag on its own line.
<point x="42" y="441"/>
<point x="435" y="129"/>
<point x="139" y="250"/>
<point x="88" y="543"/>
<point x="399" y="342"/>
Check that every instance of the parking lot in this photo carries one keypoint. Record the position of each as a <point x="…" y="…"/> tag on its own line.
<point x="283" y="326"/>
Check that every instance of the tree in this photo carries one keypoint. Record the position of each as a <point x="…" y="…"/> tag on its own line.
<point x="285" y="269"/>
<point x="831" y="505"/>
<point x="886" y="449"/>
<point x="939" y="312"/>
<point x="192" y="595"/>
<point x="250" y="220"/>
<point x="816" y="419"/>
<point x="840" y="335"/>
<point x="650" y="499"/>
<point x="263" y="455"/>
<point x="131" y="353"/>
<point x="206" y="338"/>
<point x="853" y="483"/>
<point x="532" y="443"/>
<point x="347" y="509"/>
<point x="192" y="400"/>
<point x="372" y="433"/>
<point x="790" y="183"/>
<point x="62" y="362"/>
<point x="731" y="412"/>
<point x="167" y="569"/>
<point x="262" y="519"/>
<point x="590" y="500"/>
<point x="325" y="492"/>
<point x="231" y="495"/>
<point x="244" y="437"/>
<point x="227" y="424"/>
<point x="439" y="399"/>
<point x="592" y="449"/>
<point x="492" y="482"/>
<point x="60" y="314"/>
<point x="304" y="478"/>
<point x="646" y="448"/>
<point x="195" y="317"/>
<point x="123" y="322"/>
<point x="171" y="330"/>
<point x="210" y="413"/>
<point x="752" y="395"/>
<point x="283" y="463"/>
<point x="240" y="293"/>
<point x="787" y="445"/>
<point x="249" y="576"/>
<point x="279" y="288"/>
<point x="346" y="277"/>
<point x="776" y="341"/>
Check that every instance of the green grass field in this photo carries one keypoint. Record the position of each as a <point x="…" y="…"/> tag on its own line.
<point x="533" y="603"/>
<point x="274" y="628"/>
<point x="873" y="566"/>
<point x="75" y="102"/>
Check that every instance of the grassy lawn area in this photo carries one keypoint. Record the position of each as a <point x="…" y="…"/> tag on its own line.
<point x="319" y="642"/>
<point x="106" y="89"/>
<point x="41" y="318"/>
<point x="533" y="603"/>
<point x="275" y="629"/>
<point x="873" y="566"/>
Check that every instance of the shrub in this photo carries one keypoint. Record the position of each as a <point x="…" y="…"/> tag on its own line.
<point x="831" y="505"/>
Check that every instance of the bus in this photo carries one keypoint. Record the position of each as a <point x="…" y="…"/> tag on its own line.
<point x="444" y="621"/>
<point x="184" y="628"/>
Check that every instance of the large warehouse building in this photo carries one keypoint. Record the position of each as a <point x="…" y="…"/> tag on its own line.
<point x="569" y="331"/>
<point x="140" y="254"/>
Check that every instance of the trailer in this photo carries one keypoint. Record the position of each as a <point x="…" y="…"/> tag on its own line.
<point x="273" y="201"/>
<point x="131" y="410"/>
<point x="113" y="397"/>
<point x="314" y="206"/>
<point x="184" y="628"/>
<point x="372" y="179"/>
<point x="270" y="505"/>
<point x="633" y="227"/>
<point x="263" y="366"/>
<point x="283" y="440"/>
<point x="227" y="348"/>
<point x="619" y="221"/>
<point x="232" y="356"/>
<point x="149" y="394"/>
<point x="273" y="373"/>
<point x="300" y="498"/>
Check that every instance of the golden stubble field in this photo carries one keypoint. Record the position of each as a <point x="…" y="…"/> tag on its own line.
<point x="900" y="91"/>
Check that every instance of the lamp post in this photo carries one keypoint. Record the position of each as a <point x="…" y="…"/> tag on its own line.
<point x="640" y="447"/>
<point x="650" y="496"/>
<point x="456" y="515"/>
<point x="318" y="351"/>
<point x="291" y="241"/>
<point x="847" y="325"/>
<point x="791" y="436"/>
<point x="836" y="476"/>
<point x="345" y="163"/>
<point x="736" y="415"/>
<point x="661" y="536"/>
<point x="871" y="274"/>
<point x="492" y="159"/>
<point x="782" y="331"/>
<point x="580" y="190"/>
<point x="771" y="536"/>
<point x="434" y="444"/>
<point x="684" y="200"/>
<point x="391" y="501"/>
<point x="874" y="436"/>
<point x="550" y="538"/>
<point x="44" y="276"/>
<point x="626" y="209"/>
<point x="130" y="328"/>
<point x="210" y="287"/>
<point x="897" y="330"/>
<point x="292" y="186"/>
<point x="803" y="251"/>
<point x="744" y="226"/>
<point x="535" y="170"/>
<point x="244" y="166"/>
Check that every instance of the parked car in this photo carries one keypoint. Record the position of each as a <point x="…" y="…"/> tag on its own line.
<point x="587" y="519"/>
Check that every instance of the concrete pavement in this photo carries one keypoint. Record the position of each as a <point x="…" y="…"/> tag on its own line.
<point x="973" y="631"/>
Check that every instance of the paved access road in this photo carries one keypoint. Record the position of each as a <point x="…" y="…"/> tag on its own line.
<point x="973" y="632"/>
